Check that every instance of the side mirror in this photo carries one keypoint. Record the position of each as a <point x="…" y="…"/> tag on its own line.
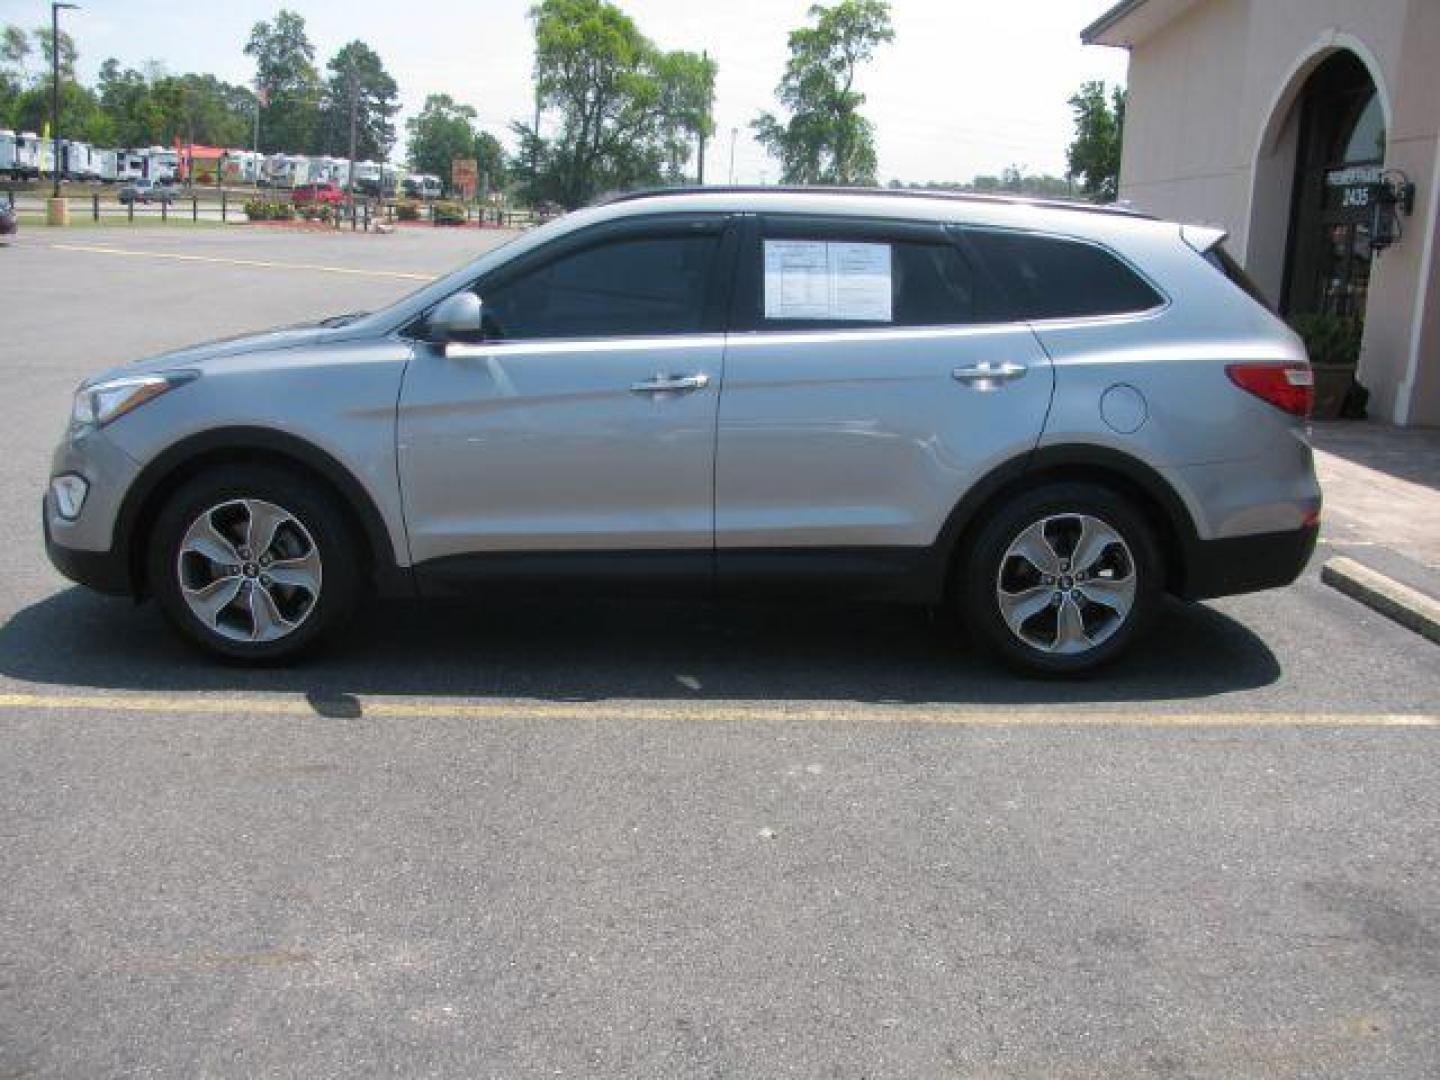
<point x="455" y="318"/>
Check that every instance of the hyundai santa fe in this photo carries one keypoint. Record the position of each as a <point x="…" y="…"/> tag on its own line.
<point x="1042" y="416"/>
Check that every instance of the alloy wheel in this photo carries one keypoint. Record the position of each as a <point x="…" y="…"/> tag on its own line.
<point x="249" y="571"/>
<point x="1066" y="584"/>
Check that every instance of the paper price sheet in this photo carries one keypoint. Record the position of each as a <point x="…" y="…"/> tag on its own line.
<point x="814" y="279"/>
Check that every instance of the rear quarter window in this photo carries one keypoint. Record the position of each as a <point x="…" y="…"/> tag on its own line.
<point x="1049" y="277"/>
<point x="1223" y="261"/>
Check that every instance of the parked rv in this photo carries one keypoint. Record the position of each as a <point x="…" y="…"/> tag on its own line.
<point x="105" y="163"/>
<point x="423" y="186"/>
<point x="7" y="154"/>
<point x="161" y="164"/>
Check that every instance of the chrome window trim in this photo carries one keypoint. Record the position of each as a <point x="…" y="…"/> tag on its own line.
<point x="650" y="343"/>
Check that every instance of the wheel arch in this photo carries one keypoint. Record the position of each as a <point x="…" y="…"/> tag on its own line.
<point x="254" y="446"/>
<point x="1152" y="494"/>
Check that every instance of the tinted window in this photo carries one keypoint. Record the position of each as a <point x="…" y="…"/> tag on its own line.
<point x="1223" y="261"/>
<point x="651" y="285"/>
<point x="932" y="284"/>
<point x="1049" y="278"/>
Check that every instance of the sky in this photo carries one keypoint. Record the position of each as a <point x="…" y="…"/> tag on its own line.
<point x="967" y="87"/>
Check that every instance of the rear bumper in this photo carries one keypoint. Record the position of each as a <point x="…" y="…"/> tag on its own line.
<point x="1241" y="564"/>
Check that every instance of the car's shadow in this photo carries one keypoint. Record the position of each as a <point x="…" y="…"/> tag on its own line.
<point x="566" y="649"/>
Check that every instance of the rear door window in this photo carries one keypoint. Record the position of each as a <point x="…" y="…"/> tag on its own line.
<point x="813" y="274"/>
<point x="1051" y="277"/>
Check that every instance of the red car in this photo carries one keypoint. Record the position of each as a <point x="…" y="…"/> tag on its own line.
<point x="318" y="193"/>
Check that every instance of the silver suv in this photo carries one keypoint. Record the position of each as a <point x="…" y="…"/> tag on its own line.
<point x="1043" y="415"/>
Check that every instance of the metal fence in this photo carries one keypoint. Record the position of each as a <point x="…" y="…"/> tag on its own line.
<point x="221" y="206"/>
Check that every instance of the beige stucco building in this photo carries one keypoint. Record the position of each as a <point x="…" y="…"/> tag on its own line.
<point x="1285" y="121"/>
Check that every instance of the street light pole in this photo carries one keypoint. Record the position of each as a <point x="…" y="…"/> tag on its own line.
<point x="55" y="87"/>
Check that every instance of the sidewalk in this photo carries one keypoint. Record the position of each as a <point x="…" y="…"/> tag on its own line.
<point x="1382" y="489"/>
<point x="1381" y="523"/>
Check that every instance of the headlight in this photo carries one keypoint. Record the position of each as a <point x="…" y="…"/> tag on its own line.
<point x="97" y="405"/>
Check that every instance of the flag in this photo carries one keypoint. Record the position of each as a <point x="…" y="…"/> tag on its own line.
<point x="45" y="132"/>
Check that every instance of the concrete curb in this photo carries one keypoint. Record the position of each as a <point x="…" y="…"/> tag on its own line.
<point x="1406" y="606"/>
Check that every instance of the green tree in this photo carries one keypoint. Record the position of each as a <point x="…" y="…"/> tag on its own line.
<point x="202" y="109"/>
<point x="1093" y="158"/>
<point x="125" y="98"/>
<point x="533" y="168"/>
<point x="80" y="115"/>
<point x="686" y="83"/>
<point x="14" y="50"/>
<point x="626" y="109"/>
<point x="490" y="157"/>
<point x="358" y="68"/>
<point x="826" y="140"/>
<point x="443" y="131"/>
<point x="142" y="109"/>
<point x="68" y="53"/>
<point x="285" y="72"/>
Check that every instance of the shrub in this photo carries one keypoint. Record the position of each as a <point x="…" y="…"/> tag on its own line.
<point x="262" y="210"/>
<point x="318" y="212"/>
<point x="448" y="213"/>
<point x="407" y="210"/>
<point x="1330" y="339"/>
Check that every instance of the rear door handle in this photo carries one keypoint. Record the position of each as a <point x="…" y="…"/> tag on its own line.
<point x="662" y="384"/>
<point x="988" y="376"/>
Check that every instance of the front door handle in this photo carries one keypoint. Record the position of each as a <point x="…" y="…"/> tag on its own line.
<point x="662" y="384"/>
<point x="988" y="376"/>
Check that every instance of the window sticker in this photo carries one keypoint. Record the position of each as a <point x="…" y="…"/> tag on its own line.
<point x="813" y="279"/>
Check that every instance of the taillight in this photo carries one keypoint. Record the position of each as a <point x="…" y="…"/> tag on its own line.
<point x="1289" y="387"/>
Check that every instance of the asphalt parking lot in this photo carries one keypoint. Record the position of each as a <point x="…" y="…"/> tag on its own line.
<point x="572" y="837"/>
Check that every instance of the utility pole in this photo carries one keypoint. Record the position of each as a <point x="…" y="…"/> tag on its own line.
<point x="261" y="96"/>
<point x="700" y="155"/>
<point x="55" y="86"/>
<point x="354" y="112"/>
<point x="535" y="153"/>
<point x="733" y="133"/>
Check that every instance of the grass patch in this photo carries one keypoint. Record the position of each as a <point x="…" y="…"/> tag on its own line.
<point x="79" y="221"/>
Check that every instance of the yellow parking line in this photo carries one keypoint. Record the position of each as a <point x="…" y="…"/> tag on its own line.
<point x="93" y="249"/>
<point x="711" y="712"/>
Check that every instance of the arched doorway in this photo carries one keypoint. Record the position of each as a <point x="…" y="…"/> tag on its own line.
<point x="1339" y="157"/>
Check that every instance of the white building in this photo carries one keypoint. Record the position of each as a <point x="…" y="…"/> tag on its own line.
<point x="1286" y="121"/>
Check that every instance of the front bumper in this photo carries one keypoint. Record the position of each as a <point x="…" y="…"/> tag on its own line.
<point x="103" y="571"/>
<point x="87" y="549"/>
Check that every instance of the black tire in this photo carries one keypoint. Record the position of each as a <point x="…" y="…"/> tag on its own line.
<point x="318" y="514"/>
<point x="978" y="579"/>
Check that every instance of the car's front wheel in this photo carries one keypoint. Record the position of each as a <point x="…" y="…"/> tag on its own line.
<point x="252" y="563"/>
<point x="1062" y="579"/>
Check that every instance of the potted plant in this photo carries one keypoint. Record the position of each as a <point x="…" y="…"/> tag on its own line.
<point x="1333" y="343"/>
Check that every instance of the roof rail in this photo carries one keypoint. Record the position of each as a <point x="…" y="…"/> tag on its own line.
<point x="873" y="192"/>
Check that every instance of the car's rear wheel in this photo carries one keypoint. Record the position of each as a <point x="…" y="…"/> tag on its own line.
<point x="253" y="564"/>
<point x="1061" y="580"/>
